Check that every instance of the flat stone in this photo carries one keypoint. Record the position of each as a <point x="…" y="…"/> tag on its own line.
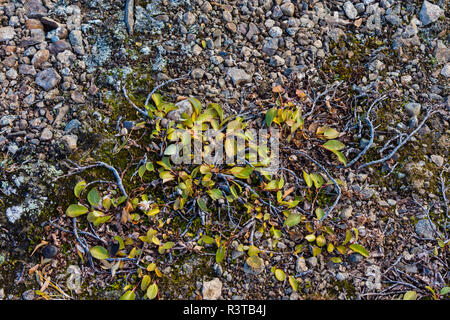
<point x="437" y="159"/>
<point x="6" y="34"/>
<point x="76" y="40"/>
<point x="212" y="290"/>
<point x="27" y="69"/>
<point x="33" y="24"/>
<point x="59" y="46"/>
<point x="429" y="13"/>
<point x="70" y="142"/>
<point x="238" y="76"/>
<point x="35" y="9"/>
<point x="77" y="97"/>
<point x="48" y="79"/>
<point x="288" y="9"/>
<point x="424" y="229"/>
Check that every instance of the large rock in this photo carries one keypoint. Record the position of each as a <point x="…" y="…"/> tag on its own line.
<point x="350" y="10"/>
<point x="212" y="290"/>
<point x="238" y="76"/>
<point x="48" y="79"/>
<point x="430" y="13"/>
<point x="7" y="33"/>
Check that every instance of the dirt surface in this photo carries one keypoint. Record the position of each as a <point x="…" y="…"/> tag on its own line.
<point x="74" y="73"/>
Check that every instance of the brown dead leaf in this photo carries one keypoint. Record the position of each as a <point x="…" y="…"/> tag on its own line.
<point x="126" y="213"/>
<point x="33" y="269"/>
<point x="277" y="89"/>
<point x="300" y="93"/>
<point x="358" y="22"/>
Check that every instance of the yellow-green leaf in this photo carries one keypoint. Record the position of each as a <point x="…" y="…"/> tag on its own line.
<point x="98" y="252"/>
<point x="360" y="249"/>
<point x="270" y="115"/>
<point x="75" y="210"/>
<point x="410" y="295"/>
<point x="280" y="275"/>
<point x="152" y="291"/>
<point x="129" y="295"/>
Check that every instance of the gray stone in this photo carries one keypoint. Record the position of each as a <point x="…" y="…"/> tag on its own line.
<point x="446" y="70"/>
<point x="424" y="229"/>
<point x="48" y="79"/>
<point x="46" y="135"/>
<point x="7" y="33"/>
<point x="35" y="9"/>
<point x="276" y="61"/>
<point x="238" y="76"/>
<point x="27" y="69"/>
<point x="76" y="40"/>
<point x="350" y="10"/>
<point x="270" y="46"/>
<point x="412" y="109"/>
<point x="288" y="9"/>
<point x="437" y="159"/>
<point x="212" y="290"/>
<point x="28" y="295"/>
<point x="197" y="73"/>
<point x="275" y="32"/>
<point x="355" y="258"/>
<point x="70" y="142"/>
<point x="429" y="13"/>
<point x="72" y="125"/>
<point x="184" y="106"/>
<point x="312" y="262"/>
<point x="11" y="74"/>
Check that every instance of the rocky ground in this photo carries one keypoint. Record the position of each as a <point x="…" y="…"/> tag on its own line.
<point x="62" y="68"/>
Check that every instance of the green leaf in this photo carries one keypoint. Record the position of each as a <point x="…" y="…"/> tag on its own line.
<point x="166" y="176"/>
<point x="141" y="171"/>
<point x="308" y="179"/>
<point x="293" y="282"/>
<point x="196" y="105"/>
<point x="330" y="133"/>
<point x="149" y="166"/>
<point x="317" y="179"/>
<point x="94" y="197"/>
<point x="360" y="249"/>
<point x="129" y="295"/>
<point x="202" y="205"/>
<point x="255" y="262"/>
<point x="215" y="194"/>
<point x="410" y="295"/>
<point x="336" y="260"/>
<point x="218" y="109"/>
<point x="340" y="157"/>
<point x="145" y="282"/>
<point x="167" y="245"/>
<point x="98" y="252"/>
<point x="334" y="145"/>
<point x="171" y="150"/>
<point x="348" y="237"/>
<point x="241" y="172"/>
<point x="270" y="115"/>
<point x="280" y="275"/>
<point x="444" y="291"/>
<point x="321" y="241"/>
<point x="207" y="239"/>
<point x="152" y="291"/>
<point x="75" y="210"/>
<point x="292" y="220"/>
<point x="157" y="99"/>
<point x="320" y="213"/>
<point x="220" y="254"/>
<point x="79" y="187"/>
<point x="253" y="251"/>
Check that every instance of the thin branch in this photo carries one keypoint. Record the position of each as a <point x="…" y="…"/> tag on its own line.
<point x="430" y="112"/>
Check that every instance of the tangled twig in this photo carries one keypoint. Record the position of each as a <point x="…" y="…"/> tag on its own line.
<point x="430" y="112"/>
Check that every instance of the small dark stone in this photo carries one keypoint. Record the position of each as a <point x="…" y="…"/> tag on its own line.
<point x="355" y="258"/>
<point x="128" y="124"/>
<point x="113" y="248"/>
<point x="49" y="251"/>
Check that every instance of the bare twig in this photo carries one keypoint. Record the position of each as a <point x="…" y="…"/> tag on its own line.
<point x="372" y="133"/>
<point x="430" y="112"/>
<point x="162" y="85"/>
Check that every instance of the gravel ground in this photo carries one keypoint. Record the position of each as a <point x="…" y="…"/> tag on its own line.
<point x="62" y="64"/>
